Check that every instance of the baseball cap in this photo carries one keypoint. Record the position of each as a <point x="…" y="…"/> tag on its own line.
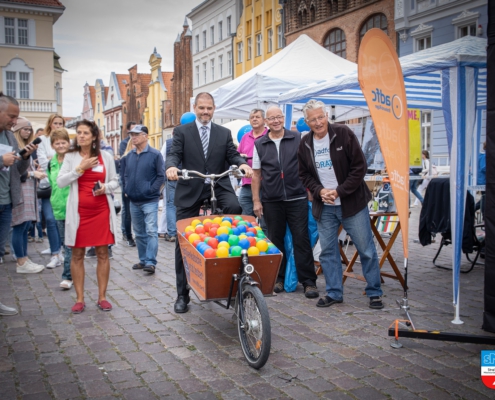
<point x="21" y="123"/>
<point x="139" y="129"/>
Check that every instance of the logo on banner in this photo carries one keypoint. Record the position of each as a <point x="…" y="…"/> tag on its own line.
<point x="387" y="103"/>
<point x="488" y="368"/>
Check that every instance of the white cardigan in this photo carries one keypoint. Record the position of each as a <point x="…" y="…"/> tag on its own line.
<point x="69" y="176"/>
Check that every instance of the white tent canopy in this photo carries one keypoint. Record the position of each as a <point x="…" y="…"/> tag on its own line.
<point x="301" y="63"/>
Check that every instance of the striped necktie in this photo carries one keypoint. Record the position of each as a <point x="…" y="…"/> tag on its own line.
<point x="204" y="139"/>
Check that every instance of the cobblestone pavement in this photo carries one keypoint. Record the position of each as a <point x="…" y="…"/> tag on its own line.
<point x="142" y="350"/>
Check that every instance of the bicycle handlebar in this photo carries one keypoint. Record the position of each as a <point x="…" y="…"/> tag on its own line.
<point x="184" y="174"/>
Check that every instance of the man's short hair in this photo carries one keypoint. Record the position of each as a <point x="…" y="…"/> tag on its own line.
<point x="313" y="105"/>
<point x="257" y="110"/>
<point x="204" y="95"/>
<point x="129" y="124"/>
<point x="6" y="100"/>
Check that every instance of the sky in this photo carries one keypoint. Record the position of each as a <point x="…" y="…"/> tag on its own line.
<point x="96" y="37"/>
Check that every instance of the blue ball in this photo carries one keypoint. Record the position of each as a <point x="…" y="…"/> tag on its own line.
<point x="245" y="129"/>
<point x="250" y="234"/>
<point x="227" y="219"/>
<point x="272" y="250"/>
<point x="262" y="253"/>
<point x="236" y="231"/>
<point x="242" y="228"/>
<point x="249" y="224"/>
<point x="223" y="237"/>
<point x="244" y="243"/>
<point x="302" y="126"/>
<point x="187" y="118"/>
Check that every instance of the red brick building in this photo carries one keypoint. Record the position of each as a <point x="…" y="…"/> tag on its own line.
<point x="338" y="25"/>
<point x="182" y="83"/>
<point x="136" y="93"/>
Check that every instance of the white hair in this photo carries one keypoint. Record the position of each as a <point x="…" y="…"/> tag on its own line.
<point x="312" y="105"/>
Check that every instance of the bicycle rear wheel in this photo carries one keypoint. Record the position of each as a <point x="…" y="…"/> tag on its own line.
<point x="255" y="330"/>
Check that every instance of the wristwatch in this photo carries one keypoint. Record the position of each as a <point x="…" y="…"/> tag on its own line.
<point x="79" y="170"/>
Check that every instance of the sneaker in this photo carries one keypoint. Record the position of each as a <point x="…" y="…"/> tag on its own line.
<point x="66" y="284"/>
<point x="54" y="262"/>
<point x="130" y="242"/>
<point x="110" y="253"/>
<point x="30" y="239"/>
<point x="39" y="240"/>
<point x="91" y="253"/>
<point x="61" y="257"/>
<point x="376" y="302"/>
<point x="47" y="251"/>
<point x="279" y="287"/>
<point x="29" y="268"/>
<point x="169" y="238"/>
<point x="1" y="260"/>
<point x="311" y="292"/>
<point x="4" y="310"/>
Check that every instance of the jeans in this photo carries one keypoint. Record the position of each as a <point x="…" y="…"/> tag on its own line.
<point x="145" y="224"/>
<point x="51" y="226"/>
<point x="171" y="209"/>
<point x="413" y="187"/>
<point x="5" y="220"/>
<point x="295" y="213"/>
<point x="125" y="217"/>
<point x="67" y="251"/>
<point x="359" y="229"/>
<point x="37" y="225"/>
<point x="20" y="239"/>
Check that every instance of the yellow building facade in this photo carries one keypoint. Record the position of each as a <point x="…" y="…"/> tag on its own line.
<point x="157" y="94"/>
<point x="260" y="34"/>
<point x="30" y="69"/>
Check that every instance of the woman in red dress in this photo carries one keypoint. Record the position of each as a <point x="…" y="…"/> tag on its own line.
<point x="90" y="217"/>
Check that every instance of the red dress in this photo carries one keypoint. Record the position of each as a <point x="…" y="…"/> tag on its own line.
<point x="94" y="213"/>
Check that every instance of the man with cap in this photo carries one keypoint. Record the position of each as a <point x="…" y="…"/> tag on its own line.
<point x="141" y="182"/>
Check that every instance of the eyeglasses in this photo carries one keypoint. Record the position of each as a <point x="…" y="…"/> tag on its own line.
<point x="278" y="117"/>
<point x="319" y="119"/>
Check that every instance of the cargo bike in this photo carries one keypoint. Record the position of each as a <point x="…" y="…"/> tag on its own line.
<point x="243" y="281"/>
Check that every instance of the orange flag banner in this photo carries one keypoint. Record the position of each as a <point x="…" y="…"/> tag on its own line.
<point x="382" y="83"/>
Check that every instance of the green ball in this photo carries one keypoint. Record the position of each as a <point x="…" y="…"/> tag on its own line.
<point x="270" y="245"/>
<point x="235" y="251"/>
<point x="242" y="223"/>
<point x="233" y="240"/>
<point x="260" y="235"/>
<point x="238" y="217"/>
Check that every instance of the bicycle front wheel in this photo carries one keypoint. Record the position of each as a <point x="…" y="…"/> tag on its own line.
<point x="255" y="331"/>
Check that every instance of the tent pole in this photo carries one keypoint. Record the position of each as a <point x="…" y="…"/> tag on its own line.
<point x="457" y="320"/>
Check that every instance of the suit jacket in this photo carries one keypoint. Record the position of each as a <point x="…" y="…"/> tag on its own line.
<point x="188" y="150"/>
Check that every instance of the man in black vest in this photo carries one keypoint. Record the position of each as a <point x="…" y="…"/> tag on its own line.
<point x="205" y="147"/>
<point x="276" y="172"/>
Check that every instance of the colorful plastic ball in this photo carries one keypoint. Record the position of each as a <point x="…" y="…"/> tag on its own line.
<point x="238" y="218"/>
<point x="222" y="230"/>
<point x="262" y="245"/>
<point x="189" y="228"/>
<point x="242" y="223"/>
<point x="192" y="237"/>
<point x="202" y="236"/>
<point x="195" y="222"/>
<point x="235" y="251"/>
<point x="213" y="243"/>
<point x="255" y="224"/>
<point x="261" y="235"/>
<point x="224" y="237"/>
<point x="227" y="219"/>
<point x="222" y="252"/>
<point x="250" y="234"/>
<point x="235" y="222"/>
<point x="252" y="230"/>
<point x="210" y="253"/>
<point x="242" y="236"/>
<point x="228" y="224"/>
<point x="213" y="231"/>
<point x="223" y="244"/>
<point x="253" y="251"/>
<point x="233" y="240"/>
<point x="242" y="228"/>
<point x="252" y="241"/>
<point x="273" y="250"/>
<point x="262" y="253"/>
<point x="187" y="234"/>
<point x="196" y="242"/>
<point x="249" y="224"/>
<point x="202" y="249"/>
<point x="217" y="220"/>
<point x="207" y="220"/>
<point x="235" y="231"/>
<point x="244" y="243"/>
<point x="199" y="229"/>
<point x="271" y="245"/>
<point x="187" y="117"/>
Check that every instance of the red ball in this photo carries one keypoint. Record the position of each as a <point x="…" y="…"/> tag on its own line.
<point x="202" y="236"/>
<point x="207" y="226"/>
<point x="210" y="253"/>
<point x="253" y="230"/>
<point x="189" y="233"/>
<point x="254" y="223"/>
<point x="196" y="242"/>
<point x="213" y="231"/>
<point x="199" y="229"/>
<point x="252" y="241"/>
<point x="213" y="243"/>
<point x="213" y="225"/>
<point x="235" y="222"/>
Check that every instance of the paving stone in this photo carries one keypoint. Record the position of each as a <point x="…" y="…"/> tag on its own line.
<point x="66" y="391"/>
<point x="97" y="388"/>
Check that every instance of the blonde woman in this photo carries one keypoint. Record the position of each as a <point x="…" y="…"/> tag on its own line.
<point x="25" y="212"/>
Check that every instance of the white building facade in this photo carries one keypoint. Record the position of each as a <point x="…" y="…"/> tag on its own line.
<point x="214" y="22"/>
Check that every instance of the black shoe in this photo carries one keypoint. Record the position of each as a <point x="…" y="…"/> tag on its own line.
<point x="130" y="242"/>
<point x="91" y="253"/>
<point x="149" y="268"/>
<point x="279" y="287"/>
<point x="169" y="238"/>
<point x="138" y="266"/>
<point x="376" y="302"/>
<point x="110" y="253"/>
<point x="327" y="301"/>
<point x="311" y="291"/>
<point x="180" y="305"/>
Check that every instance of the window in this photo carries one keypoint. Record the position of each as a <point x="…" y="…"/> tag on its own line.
<point x="139" y="105"/>
<point x="375" y="21"/>
<point x="426" y="129"/>
<point x="240" y="49"/>
<point x="24" y="85"/>
<point x="467" y="30"/>
<point x="268" y="19"/>
<point x="258" y="23"/>
<point x="280" y="37"/>
<point x="220" y="66"/>
<point x="10" y="30"/>
<point x="229" y="25"/>
<point x="423" y="43"/>
<point x="204" y="40"/>
<point x="335" y="42"/>
<point x="22" y="30"/>
<point x="98" y="111"/>
<point x="204" y="72"/>
<point x="229" y="61"/>
<point x="312" y="14"/>
<point x="212" y="68"/>
<point x="197" y="75"/>
<point x="333" y="7"/>
<point x="258" y="44"/>
<point x="249" y="48"/>
<point x="197" y="43"/>
<point x="212" y="35"/>
<point x="58" y="94"/>
<point x="220" y="31"/>
<point x="11" y="84"/>
<point x="270" y="41"/>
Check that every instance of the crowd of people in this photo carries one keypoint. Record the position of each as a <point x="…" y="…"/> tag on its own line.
<point x="282" y="168"/>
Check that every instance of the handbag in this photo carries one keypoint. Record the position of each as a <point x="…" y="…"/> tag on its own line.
<point x="44" y="189"/>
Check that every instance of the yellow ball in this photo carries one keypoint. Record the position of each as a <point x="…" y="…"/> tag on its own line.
<point x="253" y="251"/>
<point x="193" y="237"/>
<point x="223" y="244"/>
<point x="195" y="222"/>
<point x="207" y="220"/>
<point x="222" y="252"/>
<point x="217" y="220"/>
<point x="223" y="230"/>
<point x="262" y="245"/>
<point x="257" y="228"/>
<point x="226" y="223"/>
<point x="242" y="237"/>
<point x="189" y="228"/>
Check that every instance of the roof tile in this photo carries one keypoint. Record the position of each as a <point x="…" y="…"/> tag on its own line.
<point x="43" y="3"/>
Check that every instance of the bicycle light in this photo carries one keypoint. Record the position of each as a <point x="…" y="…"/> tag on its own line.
<point x="249" y="269"/>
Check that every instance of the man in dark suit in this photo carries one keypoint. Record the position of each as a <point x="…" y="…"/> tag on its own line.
<point x="204" y="147"/>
